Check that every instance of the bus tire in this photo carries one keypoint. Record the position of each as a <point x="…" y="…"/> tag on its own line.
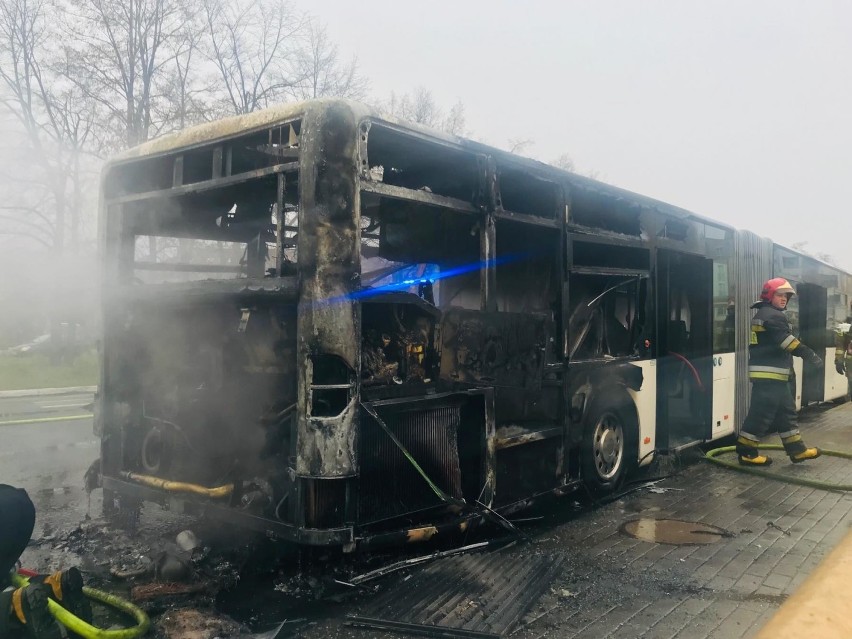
<point x="608" y="447"/>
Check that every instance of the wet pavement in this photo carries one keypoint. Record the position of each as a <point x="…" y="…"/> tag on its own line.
<point x="735" y="548"/>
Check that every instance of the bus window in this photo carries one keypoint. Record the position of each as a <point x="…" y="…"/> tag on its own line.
<point x="527" y="281"/>
<point x="404" y="245"/>
<point x="160" y="259"/>
<point x="724" y="311"/>
<point x="606" y="318"/>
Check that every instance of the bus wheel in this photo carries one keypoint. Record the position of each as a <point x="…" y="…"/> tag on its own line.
<point x="605" y="450"/>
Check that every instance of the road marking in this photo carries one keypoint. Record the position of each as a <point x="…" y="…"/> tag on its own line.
<point x="41" y="420"/>
<point x="64" y="405"/>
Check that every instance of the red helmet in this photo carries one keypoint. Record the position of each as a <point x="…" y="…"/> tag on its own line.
<point x="776" y="285"/>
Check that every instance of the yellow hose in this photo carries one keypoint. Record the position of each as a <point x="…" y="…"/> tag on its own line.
<point x="75" y="624"/>
<point x="179" y="486"/>
<point x="712" y="456"/>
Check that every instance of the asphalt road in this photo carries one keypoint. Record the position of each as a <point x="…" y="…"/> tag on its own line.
<point x="46" y="447"/>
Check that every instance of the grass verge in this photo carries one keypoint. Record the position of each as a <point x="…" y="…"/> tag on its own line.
<point x="36" y="371"/>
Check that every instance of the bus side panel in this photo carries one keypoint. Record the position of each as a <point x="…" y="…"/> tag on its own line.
<point x="646" y="407"/>
<point x="798" y="369"/>
<point x="835" y="383"/>
<point x="724" y="394"/>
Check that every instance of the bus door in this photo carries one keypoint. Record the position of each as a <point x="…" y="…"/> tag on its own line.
<point x="684" y="348"/>
<point x="811" y="314"/>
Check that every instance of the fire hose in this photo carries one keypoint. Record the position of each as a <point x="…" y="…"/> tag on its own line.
<point x="713" y="456"/>
<point x="77" y="625"/>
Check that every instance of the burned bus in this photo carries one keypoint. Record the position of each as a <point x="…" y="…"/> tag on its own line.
<point x="343" y="330"/>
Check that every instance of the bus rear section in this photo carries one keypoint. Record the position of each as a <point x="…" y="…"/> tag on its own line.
<point x="246" y="374"/>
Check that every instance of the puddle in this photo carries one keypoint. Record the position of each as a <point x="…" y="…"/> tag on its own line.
<point x="673" y="531"/>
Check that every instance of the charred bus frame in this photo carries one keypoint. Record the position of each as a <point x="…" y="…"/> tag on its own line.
<point x="373" y="332"/>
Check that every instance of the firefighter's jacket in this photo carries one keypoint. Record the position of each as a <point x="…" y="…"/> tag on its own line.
<point x="770" y="353"/>
<point x="843" y="345"/>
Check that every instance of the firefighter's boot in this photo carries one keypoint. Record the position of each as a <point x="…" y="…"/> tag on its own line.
<point x="66" y="589"/>
<point x="747" y="451"/>
<point x="25" y="610"/>
<point x="805" y="455"/>
<point x="796" y="448"/>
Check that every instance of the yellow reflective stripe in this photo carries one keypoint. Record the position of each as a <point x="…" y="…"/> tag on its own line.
<point x="787" y="341"/>
<point x="747" y="442"/>
<point x="789" y="433"/>
<point x="753" y="338"/>
<point x="18" y="605"/>
<point x="778" y="376"/>
<point x="753" y="368"/>
<point x="791" y="440"/>
<point x="757" y="328"/>
<point x="793" y="345"/>
<point x="55" y="582"/>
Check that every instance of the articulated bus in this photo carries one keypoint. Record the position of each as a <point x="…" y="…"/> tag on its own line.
<point x="344" y="330"/>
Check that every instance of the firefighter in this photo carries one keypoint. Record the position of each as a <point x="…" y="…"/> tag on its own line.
<point x="843" y="352"/>
<point x="24" y="610"/>
<point x="773" y="408"/>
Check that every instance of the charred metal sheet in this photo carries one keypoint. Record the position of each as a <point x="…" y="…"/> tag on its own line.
<point x="215" y="183"/>
<point x="498" y="349"/>
<point x="273" y="290"/>
<point x="413" y="195"/>
<point x="328" y="317"/>
<point x="517" y="436"/>
<point x="480" y="595"/>
<point x="528" y="219"/>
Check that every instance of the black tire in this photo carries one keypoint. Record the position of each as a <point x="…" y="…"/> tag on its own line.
<point x="608" y="449"/>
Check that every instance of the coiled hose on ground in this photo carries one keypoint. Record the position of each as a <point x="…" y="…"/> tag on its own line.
<point x="75" y="624"/>
<point x="712" y="456"/>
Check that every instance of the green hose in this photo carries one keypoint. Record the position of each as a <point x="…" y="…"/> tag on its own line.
<point x="712" y="456"/>
<point x="75" y="624"/>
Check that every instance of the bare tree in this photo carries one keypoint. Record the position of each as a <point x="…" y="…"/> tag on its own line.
<point x="421" y="108"/>
<point x="56" y="121"/>
<point x="252" y="44"/>
<point x="519" y="145"/>
<point x="564" y="162"/>
<point x="321" y="72"/>
<point x="187" y="91"/>
<point x="119" y="52"/>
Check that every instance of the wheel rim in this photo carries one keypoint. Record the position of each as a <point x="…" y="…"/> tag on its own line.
<point x="608" y="445"/>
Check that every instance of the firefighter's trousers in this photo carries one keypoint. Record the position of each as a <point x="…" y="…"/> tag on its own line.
<point x="772" y="410"/>
<point x="17" y="520"/>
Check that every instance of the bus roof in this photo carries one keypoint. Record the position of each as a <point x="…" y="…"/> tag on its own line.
<point x="225" y="128"/>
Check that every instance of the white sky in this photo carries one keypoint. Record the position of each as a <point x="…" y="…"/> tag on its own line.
<point x="740" y="111"/>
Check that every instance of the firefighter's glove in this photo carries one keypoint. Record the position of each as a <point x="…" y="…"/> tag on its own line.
<point x="815" y="359"/>
<point x="839" y="367"/>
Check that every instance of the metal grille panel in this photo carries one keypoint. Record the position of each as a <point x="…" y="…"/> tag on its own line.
<point x="390" y="485"/>
<point x="474" y="596"/>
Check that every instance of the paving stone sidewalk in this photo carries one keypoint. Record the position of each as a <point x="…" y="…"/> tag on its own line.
<point x="617" y="586"/>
